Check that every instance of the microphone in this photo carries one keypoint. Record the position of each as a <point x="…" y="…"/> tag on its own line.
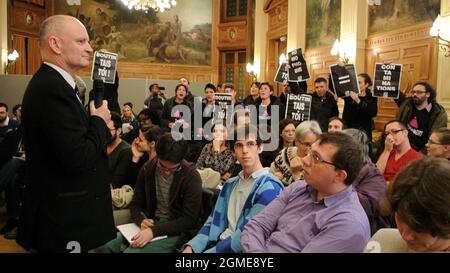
<point x="98" y="92"/>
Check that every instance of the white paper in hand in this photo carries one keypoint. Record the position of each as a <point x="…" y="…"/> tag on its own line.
<point x="130" y="230"/>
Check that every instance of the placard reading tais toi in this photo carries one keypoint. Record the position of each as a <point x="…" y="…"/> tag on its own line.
<point x="104" y="67"/>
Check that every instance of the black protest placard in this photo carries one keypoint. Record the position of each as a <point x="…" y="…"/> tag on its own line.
<point x="223" y="103"/>
<point x="104" y="67"/>
<point x="299" y="70"/>
<point x="344" y="79"/>
<point x="298" y="107"/>
<point x="386" y="83"/>
<point x="282" y="74"/>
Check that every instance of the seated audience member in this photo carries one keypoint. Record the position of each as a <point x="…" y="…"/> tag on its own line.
<point x="12" y="179"/>
<point x="336" y="124"/>
<point x="420" y="200"/>
<point x="439" y="143"/>
<point x="169" y="119"/>
<point x="254" y="94"/>
<point x="17" y="112"/>
<point x="128" y="117"/>
<point x="167" y="200"/>
<point x="6" y="124"/>
<point x="241" y="117"/>
<point x="287" y="134"/>
<point x="287" y="165"/>
<point x="146" y="118"/>
<point x="321" y="213"/>
<point x="119" y="154"/>
<point x="217" y="155"/>
<point x="240" y="199"/>
<point x="397" y="151"/>
<point x="143" y="149"/>
<point x="369" y="184"/>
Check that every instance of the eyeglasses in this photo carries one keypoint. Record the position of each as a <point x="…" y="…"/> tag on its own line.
<point x="393" y="132"/>
<point x="168" y="170"/>
<point x="433" y="142"/>
<point x="317" y="159"/>
<point x="418" y="92"/>
<point x="249" y="144"/>
<point x="306" y="144"/>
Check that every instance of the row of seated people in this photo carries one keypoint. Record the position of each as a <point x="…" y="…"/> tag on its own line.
<point x="369" y="184"/>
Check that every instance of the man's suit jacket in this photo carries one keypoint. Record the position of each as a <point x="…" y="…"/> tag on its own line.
<point x="67" y="195"/>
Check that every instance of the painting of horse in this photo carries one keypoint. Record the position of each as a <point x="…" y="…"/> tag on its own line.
<point x="174" y="36"/>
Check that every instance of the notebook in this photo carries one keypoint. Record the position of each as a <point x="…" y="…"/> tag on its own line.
<point x="129" y="230"/>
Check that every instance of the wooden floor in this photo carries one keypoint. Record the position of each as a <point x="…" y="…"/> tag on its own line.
<point x="7" y="246"/>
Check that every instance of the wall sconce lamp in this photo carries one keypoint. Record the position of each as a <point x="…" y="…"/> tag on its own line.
<point x="437" y="30"/>
<point x="336" y="49"/>
<point x="282" y="59"/>
<point x="251" y="70"/>
<point x="12" y="57"/>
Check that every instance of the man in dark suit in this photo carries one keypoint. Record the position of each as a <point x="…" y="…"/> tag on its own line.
<point x="67" y="199"/>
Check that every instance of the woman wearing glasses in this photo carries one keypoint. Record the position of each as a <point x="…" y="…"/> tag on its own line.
<point x="439" y="143"/>
<point x="287" y="165"/>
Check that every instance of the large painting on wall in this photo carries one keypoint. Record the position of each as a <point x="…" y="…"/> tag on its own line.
<point x="181" y="35"/>
<point x="395" y="14"/>
<point x="323" y="22"/>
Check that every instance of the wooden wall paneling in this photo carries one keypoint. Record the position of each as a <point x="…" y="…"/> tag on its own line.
<point x="25" y="18"/>
<point x="40" y="3"/>
<point x="319" y="61"/>
<point x="278" y="23"/>
<point x="412" y="47"/>
<point x="277" y="11"/>
<point x="233" y="35"/>
<point x="20" y="66"/>
<point x="34" y="56"/>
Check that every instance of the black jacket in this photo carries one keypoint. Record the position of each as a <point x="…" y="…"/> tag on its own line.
<point x="67" y="196"/>
<point x="359" y="116"/>
<point x="322" y="109"/>
<point x="185" y="199"/>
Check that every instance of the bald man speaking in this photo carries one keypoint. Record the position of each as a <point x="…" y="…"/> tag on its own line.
<point x="67" y="200"/>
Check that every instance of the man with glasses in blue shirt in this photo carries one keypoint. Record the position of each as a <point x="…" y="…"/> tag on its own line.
<point x="422" y="114"/>
<point x="319" y="214"/>
<point x="241" y="198"/>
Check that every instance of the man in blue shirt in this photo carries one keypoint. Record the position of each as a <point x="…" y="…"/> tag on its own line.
<point x="321" y="213"/>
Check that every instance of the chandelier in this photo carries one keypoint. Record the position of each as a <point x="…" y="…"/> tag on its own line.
<point x="145" y="5"/>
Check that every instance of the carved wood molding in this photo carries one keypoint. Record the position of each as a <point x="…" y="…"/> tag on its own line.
<point x="407" y="34"/>
<point x="233" y="35"/>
